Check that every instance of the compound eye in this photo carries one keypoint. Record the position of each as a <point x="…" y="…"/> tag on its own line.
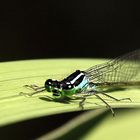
<point x="56" y="84"/>
<point x="48" y="85"/>
<point x="48" y="82"/>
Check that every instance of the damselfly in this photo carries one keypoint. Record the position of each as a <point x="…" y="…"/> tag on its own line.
<point x="119" y="72"/>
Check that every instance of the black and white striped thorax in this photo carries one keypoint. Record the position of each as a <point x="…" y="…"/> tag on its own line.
<point x="73" y="80"/>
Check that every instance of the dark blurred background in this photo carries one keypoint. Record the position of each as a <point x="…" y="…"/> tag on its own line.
<point x="74" y="28"/>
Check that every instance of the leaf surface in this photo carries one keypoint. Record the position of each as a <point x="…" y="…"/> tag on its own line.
<point x="13" y="75"/>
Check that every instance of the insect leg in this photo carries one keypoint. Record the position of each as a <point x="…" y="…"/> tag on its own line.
<point x="34" y="87"/>
<point x="82" y="98"/>
<point x="106" y="104"/>
<point x="115" y="98"/>
<point x="32" y="93"/>
<point x="81" y="103"/>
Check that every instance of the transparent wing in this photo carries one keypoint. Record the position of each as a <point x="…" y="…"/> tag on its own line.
<point x="122" y="69"/>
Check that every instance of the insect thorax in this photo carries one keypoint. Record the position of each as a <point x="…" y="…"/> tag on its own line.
<point x="75" y="83"/>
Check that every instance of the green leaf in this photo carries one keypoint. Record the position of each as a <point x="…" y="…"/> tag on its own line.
<point x="13" y="75"/>
<point x="77" y="127"/>
<point x="124" y="126"/>
<point x="99" y="124"/>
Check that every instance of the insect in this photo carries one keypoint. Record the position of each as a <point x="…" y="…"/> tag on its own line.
<point x="119" y="72"/>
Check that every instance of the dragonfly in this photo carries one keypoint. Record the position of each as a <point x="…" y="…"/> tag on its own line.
<point x="119" y="72"/>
